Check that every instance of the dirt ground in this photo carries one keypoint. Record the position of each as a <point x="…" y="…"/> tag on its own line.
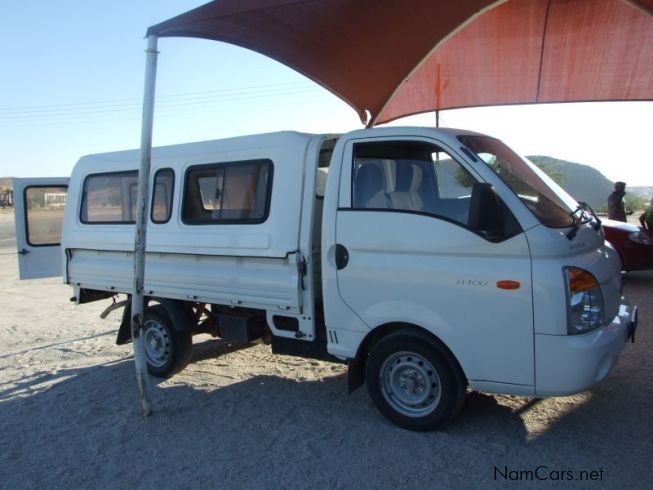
<point x="69" y="416"/>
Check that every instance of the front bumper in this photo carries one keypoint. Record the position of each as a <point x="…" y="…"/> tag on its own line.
<point x="568" y="364"/>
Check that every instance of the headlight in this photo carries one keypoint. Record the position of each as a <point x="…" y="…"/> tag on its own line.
<point x="584" y="301"/>
<point x="641" y="236"/>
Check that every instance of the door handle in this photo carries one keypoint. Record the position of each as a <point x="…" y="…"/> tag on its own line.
<point x="342" y="256"/>
<point x="23" y="252"/>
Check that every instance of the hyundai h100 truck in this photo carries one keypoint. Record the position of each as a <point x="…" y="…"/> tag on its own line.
<point x="428" y="260"/>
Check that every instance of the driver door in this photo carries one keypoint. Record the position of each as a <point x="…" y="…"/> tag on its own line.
<point x="412" y="258"/>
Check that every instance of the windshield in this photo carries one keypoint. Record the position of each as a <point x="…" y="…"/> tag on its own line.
<point x="545" y="199"/>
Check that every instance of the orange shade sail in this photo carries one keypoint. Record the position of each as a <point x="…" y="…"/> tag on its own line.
<point x="392" y="58"/>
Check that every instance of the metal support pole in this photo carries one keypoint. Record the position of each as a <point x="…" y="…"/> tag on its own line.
<point x="142" y="378"/>
<point x="438" y="94"/>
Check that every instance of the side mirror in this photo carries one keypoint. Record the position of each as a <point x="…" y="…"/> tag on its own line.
<point x="485" y="214"/>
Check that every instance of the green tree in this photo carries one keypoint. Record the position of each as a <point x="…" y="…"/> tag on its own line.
<point x="558" y="177"/>
<point x="634" y="203"/>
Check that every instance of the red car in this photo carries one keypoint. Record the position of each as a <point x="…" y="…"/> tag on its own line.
<point x="634" y="244"/>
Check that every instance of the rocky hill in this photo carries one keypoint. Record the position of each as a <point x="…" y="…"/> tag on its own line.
<point x="583" y="182"/>
<point x="643" y="191"/>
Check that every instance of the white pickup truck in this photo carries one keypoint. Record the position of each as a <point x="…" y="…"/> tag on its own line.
<point x="428" y="260"/>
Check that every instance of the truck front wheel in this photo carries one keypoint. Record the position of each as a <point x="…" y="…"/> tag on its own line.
<point x="167" y="351"/>
<point x="414" y="381"/>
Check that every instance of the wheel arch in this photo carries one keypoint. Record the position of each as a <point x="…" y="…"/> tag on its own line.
<point x="180" y="313"/>
<point x="356" y="366"/>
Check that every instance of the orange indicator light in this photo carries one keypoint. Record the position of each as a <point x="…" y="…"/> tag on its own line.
<point x="507" y="284"/>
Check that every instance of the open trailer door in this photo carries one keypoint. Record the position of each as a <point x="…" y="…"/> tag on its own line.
<point x="39" y="208"/>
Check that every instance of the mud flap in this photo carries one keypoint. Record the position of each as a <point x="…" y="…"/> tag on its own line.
<point x="632" y="325"/>
<point x="125" y="330"/>
<point x="355" y="374"/>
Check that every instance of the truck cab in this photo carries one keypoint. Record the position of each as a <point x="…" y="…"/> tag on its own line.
<point x="428" y="260"/>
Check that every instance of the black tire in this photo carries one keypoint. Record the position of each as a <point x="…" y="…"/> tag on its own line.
<point x="167" y="351"/>
<point x="414" y="381"/>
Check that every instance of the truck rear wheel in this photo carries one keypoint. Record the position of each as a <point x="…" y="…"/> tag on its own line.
<point x="167" y="351"/>
<point x="414" y="381"/>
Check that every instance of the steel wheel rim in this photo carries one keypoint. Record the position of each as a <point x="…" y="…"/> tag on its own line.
<point x="410" y="384"/>
<point x="157" y="344"/>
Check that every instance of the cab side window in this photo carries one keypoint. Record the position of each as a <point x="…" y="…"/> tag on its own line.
<point x="410" y="176"/>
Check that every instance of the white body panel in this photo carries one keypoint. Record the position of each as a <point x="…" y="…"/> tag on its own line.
<point x="422" y="271"/>
<point x="568" y="364"/>
<point x="550" y="252"/>
<point x="254" y="282"/>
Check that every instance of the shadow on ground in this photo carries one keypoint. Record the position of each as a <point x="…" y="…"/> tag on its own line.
<point x="271" y="431"/>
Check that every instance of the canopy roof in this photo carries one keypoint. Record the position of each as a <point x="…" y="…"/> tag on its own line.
<point x="393" y="58"/>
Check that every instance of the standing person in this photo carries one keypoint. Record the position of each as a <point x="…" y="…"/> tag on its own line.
<point x="616" y="209"/>
<point x="646" y="219"/>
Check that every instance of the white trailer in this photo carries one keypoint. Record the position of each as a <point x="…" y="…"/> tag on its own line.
<point x="428" y="260"/>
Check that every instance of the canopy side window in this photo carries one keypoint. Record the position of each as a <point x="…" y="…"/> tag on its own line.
<point x="164" y="184"/>
<point x="228" y="193"/>
<point x="44" y="209"/>
<point x="109" y="198"/>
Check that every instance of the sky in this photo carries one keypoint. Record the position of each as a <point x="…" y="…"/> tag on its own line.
<point x="72" y="78"/>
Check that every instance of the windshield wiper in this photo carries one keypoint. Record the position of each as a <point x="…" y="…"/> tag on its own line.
<point x="574" y="229"/>
<point x="579" y="218"/>
<point x="587" y="207"/>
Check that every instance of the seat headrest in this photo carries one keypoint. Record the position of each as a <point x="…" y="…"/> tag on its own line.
<point x="369" y="181"/>
<point x="409" y="177"/>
